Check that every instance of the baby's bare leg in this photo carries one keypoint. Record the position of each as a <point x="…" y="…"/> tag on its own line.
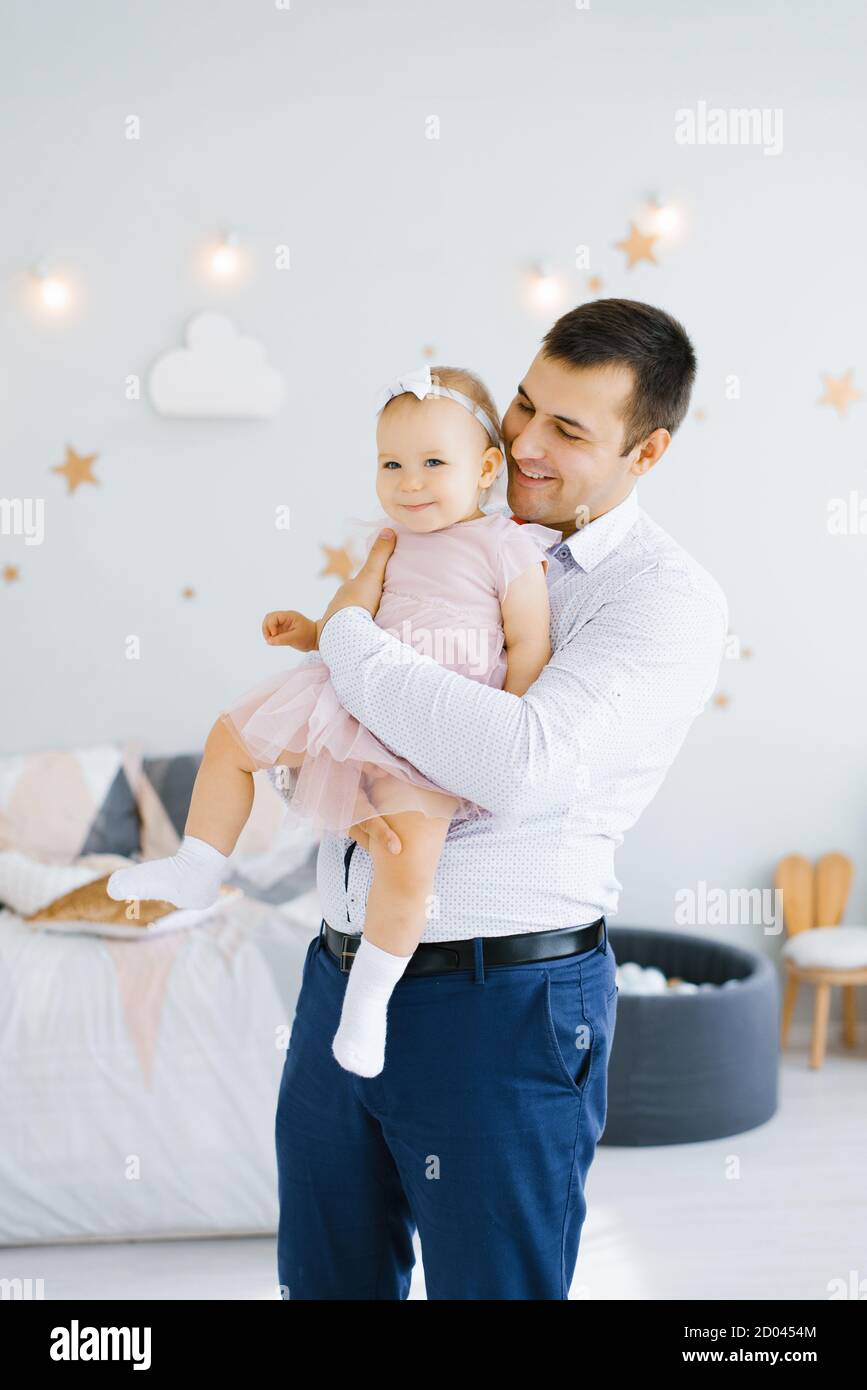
<point x="219" y="810"/>
<point x="223" y="792"/>
<point x="394" y="918"/>
<point x="394" y="921"/>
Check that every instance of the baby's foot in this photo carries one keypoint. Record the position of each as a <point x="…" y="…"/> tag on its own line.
<point x="359" y="1043"/>
<point x="190" y="878"/>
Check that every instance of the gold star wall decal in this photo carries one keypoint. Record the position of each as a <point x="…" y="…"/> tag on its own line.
<point x="839" y="392"/>
<point x="188" y="593"/>
<point x="700" y="414"/>
<point x="76" y="469"/>
<point x="339" y="561"/>
<point x="638" y="247"/>
<point x="11" y="573"/>
<point x="594" y="284"/>
<point x="722" y="701"/>
<point x="428" y="351"/>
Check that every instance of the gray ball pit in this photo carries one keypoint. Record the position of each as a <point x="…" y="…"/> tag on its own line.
<point x="688" y="1067"/>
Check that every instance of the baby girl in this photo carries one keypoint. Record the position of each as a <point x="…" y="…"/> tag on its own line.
<point x="466" y="587"/>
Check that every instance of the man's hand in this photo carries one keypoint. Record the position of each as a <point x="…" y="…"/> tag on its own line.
<point x="363" y="590"/>
<point x="288" y="629"/>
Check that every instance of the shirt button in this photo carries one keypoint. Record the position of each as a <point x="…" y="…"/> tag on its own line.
<point x="564" y="551"/>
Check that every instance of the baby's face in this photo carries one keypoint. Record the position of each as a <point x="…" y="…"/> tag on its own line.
<point x="435" y="460"/>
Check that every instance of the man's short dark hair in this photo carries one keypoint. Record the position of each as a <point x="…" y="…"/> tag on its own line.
<point x="627" y="333"/>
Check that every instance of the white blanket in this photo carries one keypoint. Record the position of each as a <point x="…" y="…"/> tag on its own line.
<point x="139" y="1080"/>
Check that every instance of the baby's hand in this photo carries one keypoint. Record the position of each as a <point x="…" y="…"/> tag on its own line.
<point x="288" y="629"/>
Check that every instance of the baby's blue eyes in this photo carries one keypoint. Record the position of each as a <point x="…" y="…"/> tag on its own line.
<point x="392" y="463"/>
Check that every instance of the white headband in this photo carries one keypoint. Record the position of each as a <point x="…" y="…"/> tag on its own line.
<point x="421" y="384"/>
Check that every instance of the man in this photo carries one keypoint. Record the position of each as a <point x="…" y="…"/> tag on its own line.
<point x="483" y="1124"/>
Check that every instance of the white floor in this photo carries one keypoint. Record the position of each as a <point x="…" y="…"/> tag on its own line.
<point x="780" y="1212"/>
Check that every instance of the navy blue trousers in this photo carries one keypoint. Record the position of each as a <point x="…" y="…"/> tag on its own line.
<point x="479" y="1132"/>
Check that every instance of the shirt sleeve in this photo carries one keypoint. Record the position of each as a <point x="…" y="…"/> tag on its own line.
<point x="646" y="661"/>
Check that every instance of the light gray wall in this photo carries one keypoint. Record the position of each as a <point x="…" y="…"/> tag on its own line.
<point x="306" y="127"/>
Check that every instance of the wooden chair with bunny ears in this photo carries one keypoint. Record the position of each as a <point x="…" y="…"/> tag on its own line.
<point x="818" y="950"/>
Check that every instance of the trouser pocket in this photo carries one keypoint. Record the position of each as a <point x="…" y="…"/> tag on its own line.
<point x="570" y="1033"/>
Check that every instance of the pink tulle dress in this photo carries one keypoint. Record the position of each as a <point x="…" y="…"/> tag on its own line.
<point x="442" y="597"/>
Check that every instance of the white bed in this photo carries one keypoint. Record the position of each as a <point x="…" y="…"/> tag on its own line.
<point x="139" y="1080"/>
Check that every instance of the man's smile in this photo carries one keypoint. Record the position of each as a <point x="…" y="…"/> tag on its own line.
<point x="533" y="476"/>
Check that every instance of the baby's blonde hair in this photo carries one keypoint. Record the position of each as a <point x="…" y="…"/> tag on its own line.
<point x="459" y="379"/>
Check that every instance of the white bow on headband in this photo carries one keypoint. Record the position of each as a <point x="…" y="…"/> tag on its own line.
<point x="421" y="384"/>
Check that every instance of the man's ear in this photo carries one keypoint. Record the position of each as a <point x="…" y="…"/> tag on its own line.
<point x="650" y="452"/>
<point x="492" y="463"/>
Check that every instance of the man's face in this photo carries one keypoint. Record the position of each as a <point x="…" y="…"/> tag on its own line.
<point x="566" y="423"/>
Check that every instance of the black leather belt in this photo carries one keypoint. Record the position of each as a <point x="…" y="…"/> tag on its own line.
<point x="436" y="957"/>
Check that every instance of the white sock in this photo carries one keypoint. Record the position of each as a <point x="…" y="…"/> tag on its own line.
<point x="359" y="1043"/>
<point x="190" y="878"/>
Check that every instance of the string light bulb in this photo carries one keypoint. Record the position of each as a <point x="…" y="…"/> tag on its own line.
<point x="226" y="260"/>
<point x="665" y="216"/>
<point x="545" y="287"/>
<point x="54" y="293"/>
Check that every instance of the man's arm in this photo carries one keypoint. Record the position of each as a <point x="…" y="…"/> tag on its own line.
<point x="648" y="659"/>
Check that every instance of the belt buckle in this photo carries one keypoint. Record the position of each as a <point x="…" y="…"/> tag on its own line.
<point x="344" y="954"/>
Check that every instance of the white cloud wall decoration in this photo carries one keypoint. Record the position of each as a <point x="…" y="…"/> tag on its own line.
<point x="219" y="374"/>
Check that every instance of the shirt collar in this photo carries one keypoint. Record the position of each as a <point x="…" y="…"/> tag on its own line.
<point x="599" y="537"/>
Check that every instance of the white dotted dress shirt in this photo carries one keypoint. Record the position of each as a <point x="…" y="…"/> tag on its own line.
<point x="637" y="633"/>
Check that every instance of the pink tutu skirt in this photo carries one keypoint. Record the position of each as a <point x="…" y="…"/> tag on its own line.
<point x="346" y="774"/>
